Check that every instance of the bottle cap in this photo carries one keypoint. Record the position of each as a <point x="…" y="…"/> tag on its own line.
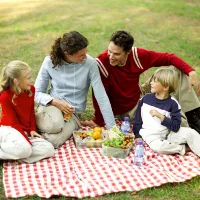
<point x="126" y="118"/>
<point x="140" y="142"/>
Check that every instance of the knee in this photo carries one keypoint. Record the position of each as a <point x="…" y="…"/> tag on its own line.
<point x="157" y="148"/>
<point x="49" y="119"/>
<point x="48" y="149"/>
<point x="54" y="139"/>
<point x="23" y="150"/>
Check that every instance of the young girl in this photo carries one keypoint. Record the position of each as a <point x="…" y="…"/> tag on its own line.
<point x="18" y="138"/>
<point x="158" y="118"/>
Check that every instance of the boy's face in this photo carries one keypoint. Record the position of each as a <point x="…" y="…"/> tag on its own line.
<point x="157" y="87"/>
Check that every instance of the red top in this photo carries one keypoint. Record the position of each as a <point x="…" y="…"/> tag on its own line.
<point x="20" y="115"/>
<point x="122" y="83"/>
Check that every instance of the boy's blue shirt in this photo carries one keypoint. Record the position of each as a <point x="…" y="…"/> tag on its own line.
<point x="169" y="107"/>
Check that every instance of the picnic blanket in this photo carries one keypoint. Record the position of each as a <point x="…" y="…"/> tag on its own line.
<point x="87" y="172"/>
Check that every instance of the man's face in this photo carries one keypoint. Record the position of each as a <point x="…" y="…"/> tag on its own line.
<point x="117" y="56"/>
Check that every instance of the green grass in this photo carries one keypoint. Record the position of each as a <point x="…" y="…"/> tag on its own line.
<point x="28" y="28"/>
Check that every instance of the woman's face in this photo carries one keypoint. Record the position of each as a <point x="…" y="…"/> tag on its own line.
<point x="77" y="57"/>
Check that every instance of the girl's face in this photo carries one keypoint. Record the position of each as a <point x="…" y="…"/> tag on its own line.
<point x="25" y="81"/>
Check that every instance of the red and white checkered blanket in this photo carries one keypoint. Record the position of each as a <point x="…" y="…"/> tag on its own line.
<point x="87" y="173"/>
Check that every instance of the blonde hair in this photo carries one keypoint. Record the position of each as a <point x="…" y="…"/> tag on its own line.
<point x="167" y="77"/>
<point x="12" y="71"/>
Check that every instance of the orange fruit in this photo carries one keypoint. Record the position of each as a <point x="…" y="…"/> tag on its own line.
<point x="96" y="135"/>
<point x="98" y="129"/>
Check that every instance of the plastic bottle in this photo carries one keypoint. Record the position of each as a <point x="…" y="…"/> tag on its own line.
<point x="125" y="127"/>
<point x="139" y="154"/>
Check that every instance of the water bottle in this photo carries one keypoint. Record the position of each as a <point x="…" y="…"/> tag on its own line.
<point x="139" y="154"/>
<point x="125" y="127"/>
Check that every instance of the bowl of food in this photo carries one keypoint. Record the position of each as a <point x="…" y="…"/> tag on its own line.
<point x="118" y="147"/>
<point x="89" y="139"/>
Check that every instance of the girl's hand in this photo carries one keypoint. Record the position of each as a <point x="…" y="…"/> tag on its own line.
<point x="35" y="134"/>
<point x="26" y="133"/>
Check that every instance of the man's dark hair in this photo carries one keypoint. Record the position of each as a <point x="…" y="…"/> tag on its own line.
<point x="123" y="39"/>
<point x="71" y="43"/>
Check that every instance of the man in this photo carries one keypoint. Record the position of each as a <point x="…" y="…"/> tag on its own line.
<point x="121" y="66"/>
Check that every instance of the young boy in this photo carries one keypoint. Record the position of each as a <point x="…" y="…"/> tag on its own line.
<point x="158" y="118"/>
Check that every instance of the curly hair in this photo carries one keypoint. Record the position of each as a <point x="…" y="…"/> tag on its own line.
<point x="12" y="71"/>
<point x="71" y="43"/>
<point x="123" y="39"/>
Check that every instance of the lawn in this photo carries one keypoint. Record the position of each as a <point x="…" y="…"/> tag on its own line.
<point x="28" y="29"/>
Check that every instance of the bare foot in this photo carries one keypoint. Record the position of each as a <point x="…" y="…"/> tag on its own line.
<point x="187" y="149"/>
<point x="89" y="123"/>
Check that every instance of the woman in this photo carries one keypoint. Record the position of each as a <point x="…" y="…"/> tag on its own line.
<point x="70" y="71"/>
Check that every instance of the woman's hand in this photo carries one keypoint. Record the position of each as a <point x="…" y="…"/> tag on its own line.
<point x="63" y="106"/>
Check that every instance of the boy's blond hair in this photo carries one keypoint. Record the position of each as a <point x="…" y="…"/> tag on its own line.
<point x="168" y="77"/>
<point x="12" y="71"/>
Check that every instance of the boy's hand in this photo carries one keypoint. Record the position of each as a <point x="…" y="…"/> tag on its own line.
<point x="155" y="113"/>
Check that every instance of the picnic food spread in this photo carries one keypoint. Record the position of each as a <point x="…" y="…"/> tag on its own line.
<point x="90" y="139"/>
<point x="113" y="142"/>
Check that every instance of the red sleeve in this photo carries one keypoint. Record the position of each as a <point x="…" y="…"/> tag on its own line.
<point x="9" y="117"/>
<point x="157" y="59"/>
<point x="33" y="122"/>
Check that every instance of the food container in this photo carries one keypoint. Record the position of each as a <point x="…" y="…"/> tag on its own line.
<point x="116" y="152"/>
<point x="88" y="141"/>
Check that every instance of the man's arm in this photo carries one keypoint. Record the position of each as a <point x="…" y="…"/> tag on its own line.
<point x="157" y="59"/>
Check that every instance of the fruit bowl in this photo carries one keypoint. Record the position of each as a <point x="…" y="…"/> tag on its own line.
<point x="85" y="139"/>
<point x="118" y="147"/>
<point x="115" y="152"/>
